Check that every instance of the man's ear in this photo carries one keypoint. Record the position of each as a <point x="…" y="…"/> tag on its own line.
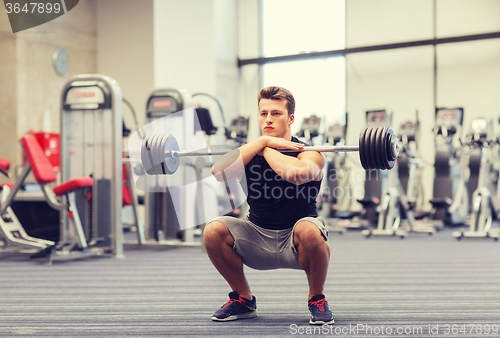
<point x="291" y="118"/>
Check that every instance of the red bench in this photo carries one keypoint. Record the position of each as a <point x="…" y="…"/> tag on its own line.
<point x="44" y="174"/>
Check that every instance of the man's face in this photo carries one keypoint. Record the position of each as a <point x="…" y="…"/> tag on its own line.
<point x="274" y="119"/>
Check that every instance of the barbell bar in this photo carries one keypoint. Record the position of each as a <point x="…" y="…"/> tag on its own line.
<point x="178" y="153"/>
<point x="378" y="149"/>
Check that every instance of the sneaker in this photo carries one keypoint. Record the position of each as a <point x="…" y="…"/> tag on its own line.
<point x="236" y="308"/>
<point x="320" y="313"/>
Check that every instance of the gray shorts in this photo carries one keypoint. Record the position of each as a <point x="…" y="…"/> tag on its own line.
<point x="265" y="249"/>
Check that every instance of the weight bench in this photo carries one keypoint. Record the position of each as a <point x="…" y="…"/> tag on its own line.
<point x="12" y="232"/>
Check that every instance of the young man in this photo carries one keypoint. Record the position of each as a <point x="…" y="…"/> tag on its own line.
<point x="282" y="229"/>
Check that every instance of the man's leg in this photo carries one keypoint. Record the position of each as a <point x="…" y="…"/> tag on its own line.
<point x="314" y="255"/>
<point x="219" y="245"/>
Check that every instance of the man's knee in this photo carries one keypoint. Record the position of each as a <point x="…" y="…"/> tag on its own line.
<point x="216" y="233"/>
<point x="308" y="233"/>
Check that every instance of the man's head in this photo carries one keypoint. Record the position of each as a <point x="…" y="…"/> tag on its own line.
<point x="278" y="93"/>
<point x="276" y="107"/>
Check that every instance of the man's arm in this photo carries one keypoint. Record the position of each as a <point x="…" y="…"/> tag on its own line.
<point x="298" y="170"/>
<point x="232" y="164"/>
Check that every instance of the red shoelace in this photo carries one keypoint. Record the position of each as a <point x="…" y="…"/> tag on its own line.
<point x="231" y="301"/>
<point x="320" y="304"/>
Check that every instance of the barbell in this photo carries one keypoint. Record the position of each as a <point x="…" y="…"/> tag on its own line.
<point x="378" y="149"/>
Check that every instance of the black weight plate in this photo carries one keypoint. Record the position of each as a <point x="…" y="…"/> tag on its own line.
<point x="394" y="148"/>
<point x="378" y="153"/>
<point x="384" y="150"/>
<point x="391" y="144"/>
<point x="372" y="161"/>
<point x="171" y="163"/>
<point x="366" y="148"/>
<point x="373" y="147"/>
<point x="368" y="158"/>
<point x="378" y="148"/>
<point x="362" y="148"/>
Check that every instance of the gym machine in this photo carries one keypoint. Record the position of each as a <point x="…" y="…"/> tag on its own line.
<point x="171" y="215"/>
<point x="235" y="134"/>
<point x="130" y="200"/>
<point x="375" y="182"/>
<point x="450" y="203"/>
<point x="29" y="203"/>
<point x="410" y="164"/>
<point x="309" y="129"/>
<point x="13" y="236"/>
<point x="91" y="145"/>
<point x="336" y="196"/>
<point x="397" y="207"/>
<point x="168" y="108"/>
<point x="484" y="211"/>
<point x="237" y="130"/>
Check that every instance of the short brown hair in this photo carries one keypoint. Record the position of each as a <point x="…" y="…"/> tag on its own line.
<point x="278" y="93"/>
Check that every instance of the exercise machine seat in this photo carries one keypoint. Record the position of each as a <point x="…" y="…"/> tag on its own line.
<point x="369" y="202"/>
<point x="75" y="183"/>
<point x="42" y="169"/>
<point x="4" y="164"/>
<point x="441" y="202"/>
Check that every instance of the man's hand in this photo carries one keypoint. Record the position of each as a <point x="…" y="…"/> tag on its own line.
<point x="278" y="142"/>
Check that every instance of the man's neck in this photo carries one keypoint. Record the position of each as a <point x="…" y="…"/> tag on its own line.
<point x="288" y="135"/>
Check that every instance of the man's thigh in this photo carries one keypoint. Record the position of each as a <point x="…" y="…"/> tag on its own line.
<point x="260" y="248"/>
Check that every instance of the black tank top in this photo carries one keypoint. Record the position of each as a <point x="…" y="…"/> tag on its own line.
<point x="275" y="203"/>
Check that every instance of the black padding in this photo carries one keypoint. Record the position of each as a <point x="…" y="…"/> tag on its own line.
<point x="205" y="120"/>
<point x="474" y="166"/>
<point x="404" y="171"/>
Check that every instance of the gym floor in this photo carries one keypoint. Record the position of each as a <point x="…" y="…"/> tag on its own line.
<point x="420" y="286"/>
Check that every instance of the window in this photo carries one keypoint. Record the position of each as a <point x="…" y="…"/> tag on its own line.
<point x="298" y="26"/>
<point x="318" y="87"/>
<point x="318" y="84"/>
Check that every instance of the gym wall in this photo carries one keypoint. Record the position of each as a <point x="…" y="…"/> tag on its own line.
<point x="30" y="87"/>
<point x="249" y="47"/>
<point x="125" y="50"/>
<point x="143" y="44"/>
<point x="402" y="80"/>
<point x="151" y="44"/>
